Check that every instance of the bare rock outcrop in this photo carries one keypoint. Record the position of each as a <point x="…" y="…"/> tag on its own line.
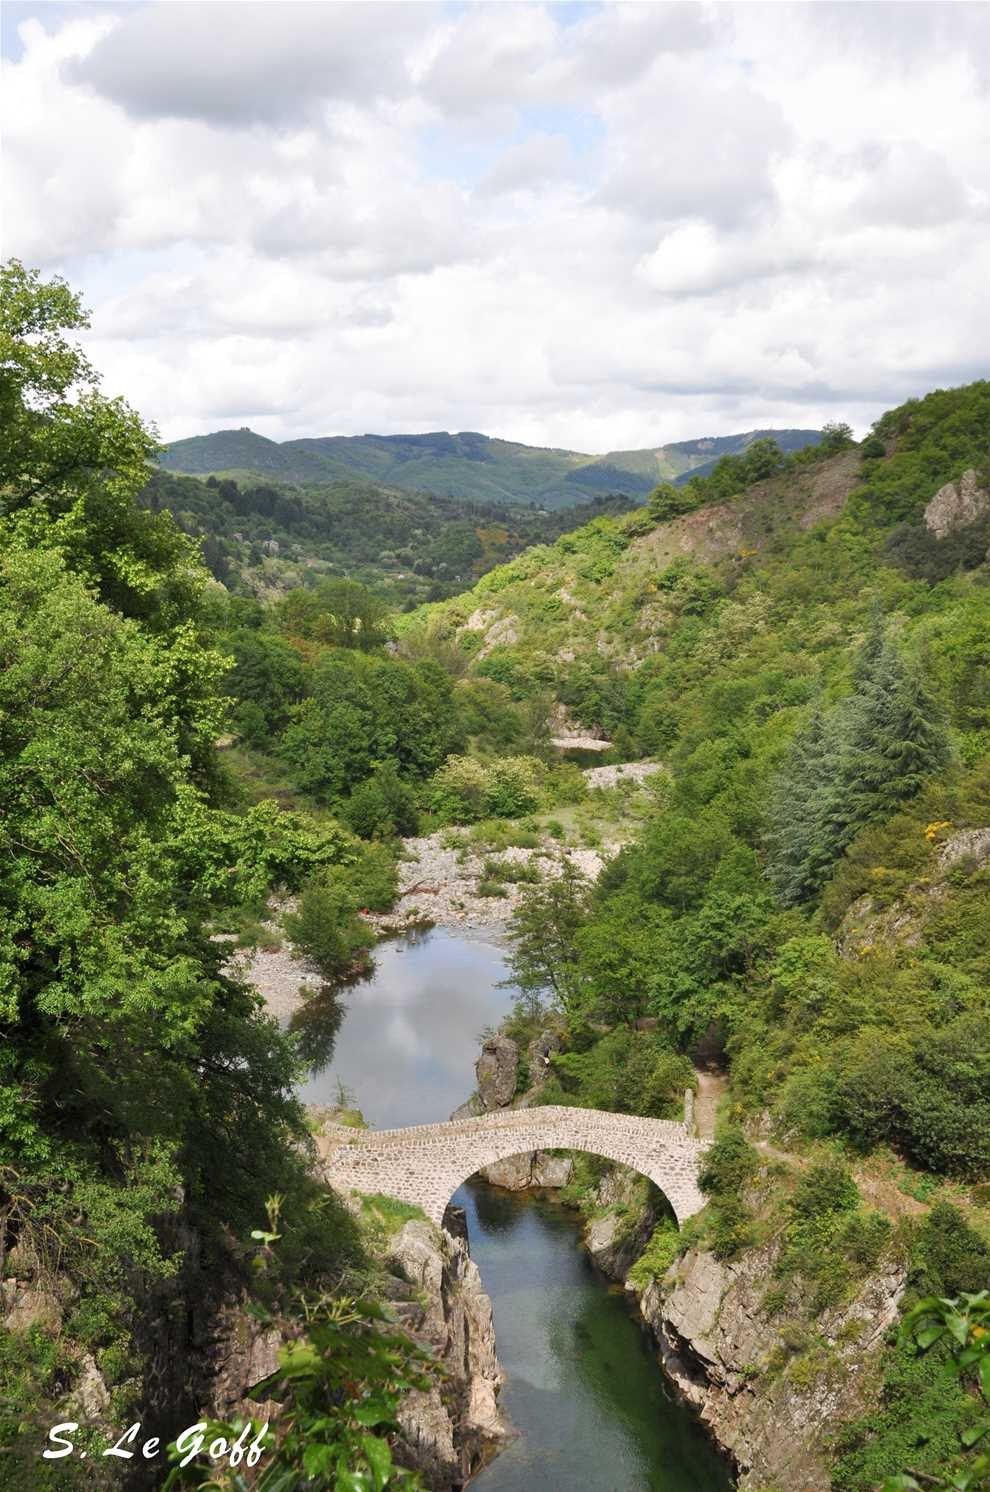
<point x="533" y="1168"/>
<point x="866" y="925"/>
<point x="445" y="1434"/>
<point x="957" y="505"/>
<point x="969" y="846"/>
<point x="497" y="1068"/>
<point x="617" y="1236"/>
<point x="243" y="1352"/>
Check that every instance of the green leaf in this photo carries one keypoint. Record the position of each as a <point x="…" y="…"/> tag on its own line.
<point x="379" y="1457"/>
<point x="353" y="1481"/>
<point x="317" y="1460"/>
<point x="372" y="1412"/>
<point x="984" y="1376"/>
<point x="958" y="1326"/>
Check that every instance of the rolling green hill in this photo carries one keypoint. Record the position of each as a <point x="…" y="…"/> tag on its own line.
<point x="468" y="465"/>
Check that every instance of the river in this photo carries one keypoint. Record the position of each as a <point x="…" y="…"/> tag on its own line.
<point x="583" y="1389"/>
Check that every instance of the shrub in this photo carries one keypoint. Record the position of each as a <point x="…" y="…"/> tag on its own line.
<point x="658" y="1256"/>
<point x="566" y="784"/>
<point x="382" y="806"/>
<point x="930" y="1098"/>
<point x="465" y="790"/>
<point x="826" y="1188"/>
<point x="326" y="930"/>
<point x="517" y="872"/>
<point x="729" y="1164"/>
<point x="512" y="787"/>
<point x="373" y="881"/>
<point x="456" y="792"/>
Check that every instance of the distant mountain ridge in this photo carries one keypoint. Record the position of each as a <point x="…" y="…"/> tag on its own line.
<point x="464" y="465"/>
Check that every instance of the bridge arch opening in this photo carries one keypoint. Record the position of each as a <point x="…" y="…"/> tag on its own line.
<point x="545" y="1174"/>
<point x="552" y="1184"/>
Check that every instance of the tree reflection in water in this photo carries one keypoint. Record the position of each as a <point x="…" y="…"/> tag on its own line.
<point x="315" y="1025"/>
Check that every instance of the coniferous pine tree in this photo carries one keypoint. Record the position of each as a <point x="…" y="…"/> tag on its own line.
<point x="853" y="767"/>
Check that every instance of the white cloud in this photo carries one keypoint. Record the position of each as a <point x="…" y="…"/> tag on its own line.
<point x="251" y="61"/>
<point x="646" y="223"/>
<point x="533" y="163"/>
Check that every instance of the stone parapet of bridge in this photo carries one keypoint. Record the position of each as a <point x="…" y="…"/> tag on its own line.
<point x="426" y="1163"/>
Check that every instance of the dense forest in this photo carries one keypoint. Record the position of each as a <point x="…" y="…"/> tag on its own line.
<point x="801" y="638"/>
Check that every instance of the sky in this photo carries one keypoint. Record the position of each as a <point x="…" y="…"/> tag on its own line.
<point x="596" y="226"/>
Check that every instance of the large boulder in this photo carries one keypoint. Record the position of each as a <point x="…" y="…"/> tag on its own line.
<point x="532" y="1168"/>
<point x="497" y="1068"/>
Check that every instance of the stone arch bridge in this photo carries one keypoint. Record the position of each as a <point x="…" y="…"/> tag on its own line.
<point x="426" y="1163"/>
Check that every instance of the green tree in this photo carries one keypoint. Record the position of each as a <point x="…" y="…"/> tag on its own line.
<point x="339" y="612"/>
<point x="267" y="678"/>
<point x="544" y="927"/>
<point x="667" y="501"/>
<point x="853" y="767"/>
<point x="72" y="460"/>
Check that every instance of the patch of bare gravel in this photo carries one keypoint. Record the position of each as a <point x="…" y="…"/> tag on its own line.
<point x="621" y="772"/>
<point x="440" y="885"/>
<point x="279" y="977"/>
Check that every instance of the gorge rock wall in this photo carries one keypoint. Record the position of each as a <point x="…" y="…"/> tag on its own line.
<point x="767" y="1384"/>
<point x="448" y="1431"/>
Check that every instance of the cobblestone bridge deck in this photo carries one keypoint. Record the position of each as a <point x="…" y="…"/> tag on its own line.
<point x="426" y="1163"/>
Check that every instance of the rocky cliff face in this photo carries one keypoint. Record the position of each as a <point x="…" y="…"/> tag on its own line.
<point x="617" y="1236"/>
<point x="770" y="1390"/>
<point x="449" y="1431"/>
<point x="768" y="1384"/>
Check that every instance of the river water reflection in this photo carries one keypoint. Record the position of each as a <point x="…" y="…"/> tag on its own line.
<point x="408" y="1041"/>
<point x="593" y="1411"/>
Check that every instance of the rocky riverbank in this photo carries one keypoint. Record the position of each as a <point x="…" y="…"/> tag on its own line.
<point x="439" y="881"/>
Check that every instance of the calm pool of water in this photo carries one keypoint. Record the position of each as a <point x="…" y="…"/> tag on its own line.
<point x="408" y="1040"/>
